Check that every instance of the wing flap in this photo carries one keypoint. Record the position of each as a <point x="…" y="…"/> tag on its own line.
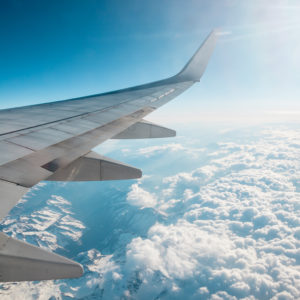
<point x="40" y="139"/>
<point x="76" y="127"/>
<point x="10" y="152"/>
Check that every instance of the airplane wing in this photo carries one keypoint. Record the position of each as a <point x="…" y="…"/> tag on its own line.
<point x="53" y="141"/>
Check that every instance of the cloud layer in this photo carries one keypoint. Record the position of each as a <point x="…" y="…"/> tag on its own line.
<point x="227" y="228"/>
<point x="234" y="225"/>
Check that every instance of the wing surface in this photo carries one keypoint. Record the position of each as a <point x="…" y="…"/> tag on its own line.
<point x="53" y="140"/>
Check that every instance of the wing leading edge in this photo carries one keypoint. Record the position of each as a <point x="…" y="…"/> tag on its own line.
<point x="53" y="141"/>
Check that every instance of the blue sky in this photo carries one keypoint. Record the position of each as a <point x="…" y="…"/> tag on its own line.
<point x="64" y="49"/>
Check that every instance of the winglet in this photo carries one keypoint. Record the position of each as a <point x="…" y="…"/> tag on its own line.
<point x="196" y="66"/>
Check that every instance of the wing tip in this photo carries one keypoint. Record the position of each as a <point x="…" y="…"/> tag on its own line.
<point x="196" y="66"/>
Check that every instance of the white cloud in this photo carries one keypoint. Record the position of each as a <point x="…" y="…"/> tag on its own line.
<point x="230" y="228"/>
<point x="140" y="197"/>
<point x="236" y="230"/>
<point x="148" y="151"/>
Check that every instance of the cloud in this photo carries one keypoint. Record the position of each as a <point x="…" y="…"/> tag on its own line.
<point x="234" y="226"/>
<point x="140" y="197"/>
<point x="148" y="151"/>
<point x="227" y="229"/>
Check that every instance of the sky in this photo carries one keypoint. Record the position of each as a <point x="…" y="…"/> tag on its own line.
<point x="63" y="49"/>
